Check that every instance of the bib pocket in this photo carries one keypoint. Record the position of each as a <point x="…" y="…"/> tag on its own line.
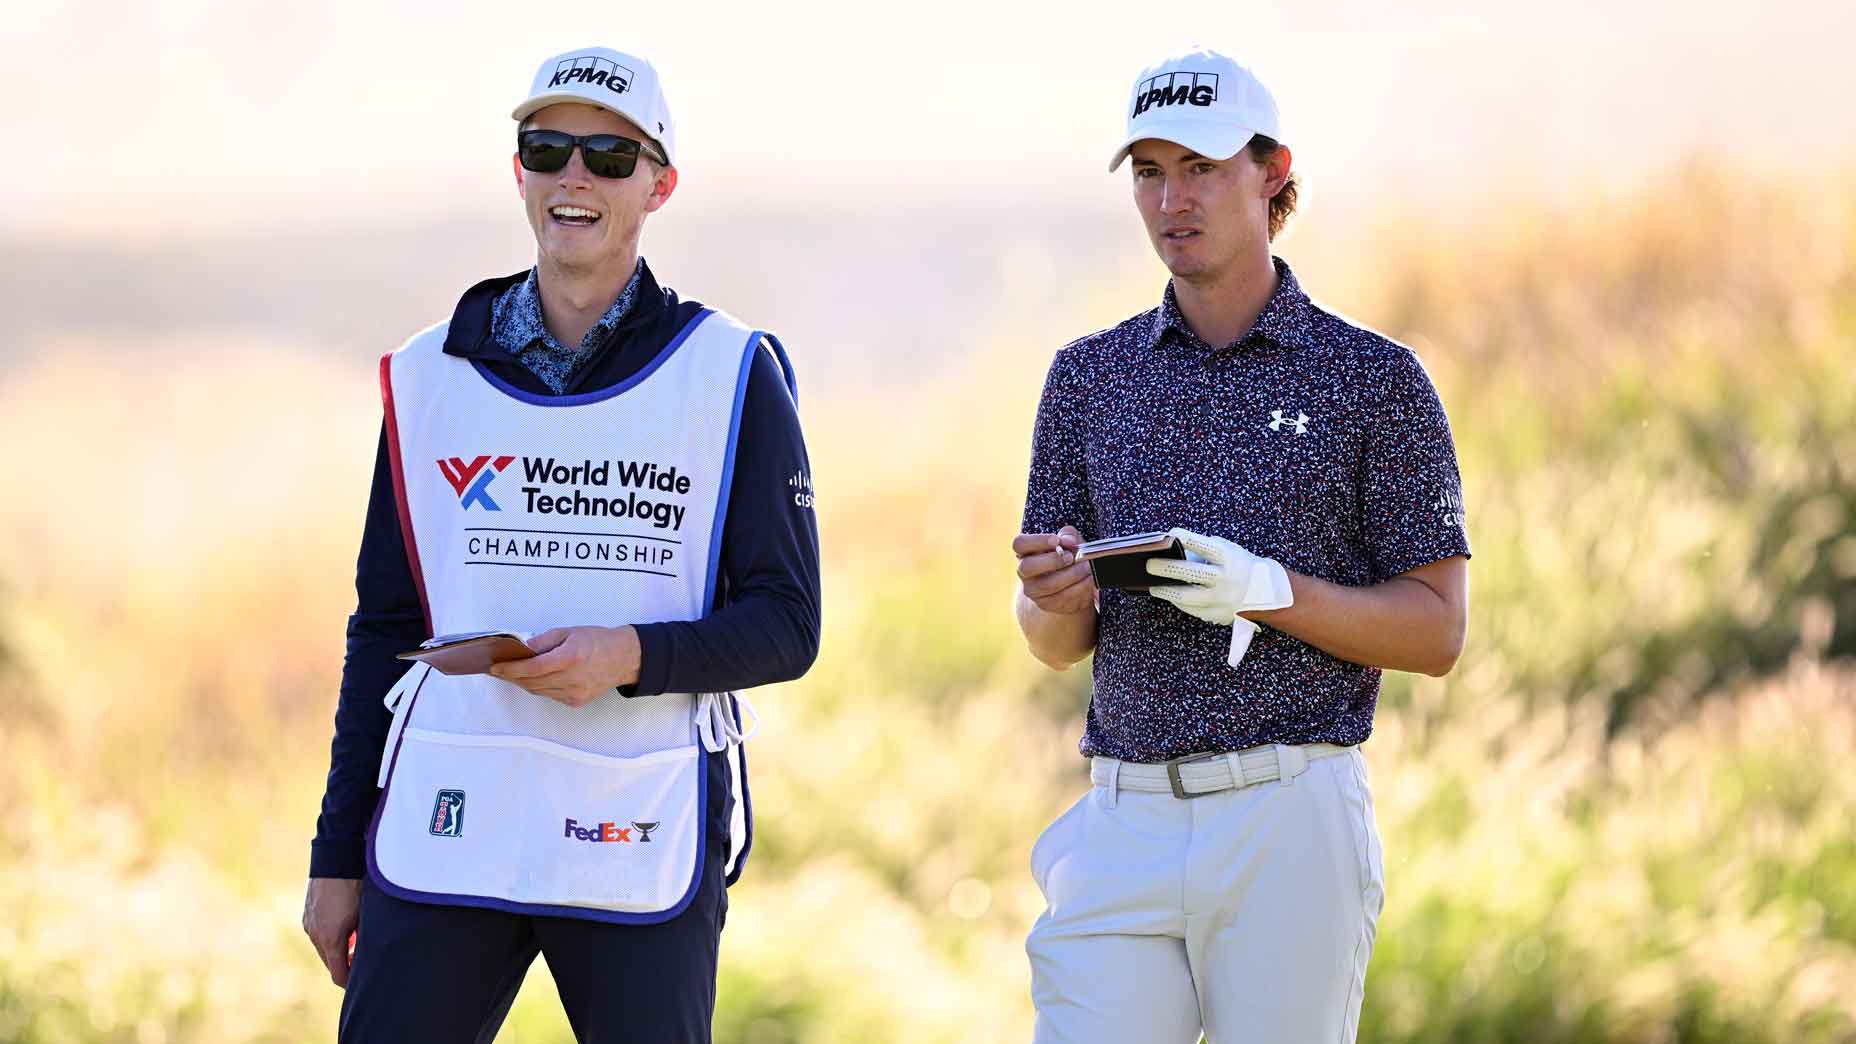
<point x="526" y="824"/>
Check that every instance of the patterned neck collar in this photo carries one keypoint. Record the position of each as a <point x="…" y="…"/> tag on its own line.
<point x="516" y="320"/>
<point x="1285" y="318"/>
<point x="516" y="325"/>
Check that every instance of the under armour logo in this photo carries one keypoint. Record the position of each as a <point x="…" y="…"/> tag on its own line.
<point x="1277" y="420"/>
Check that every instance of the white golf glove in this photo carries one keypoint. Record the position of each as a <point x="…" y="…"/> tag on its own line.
<point x="1222" y="580"/>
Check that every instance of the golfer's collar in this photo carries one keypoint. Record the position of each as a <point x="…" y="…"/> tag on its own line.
<point x="1286" y="318"/>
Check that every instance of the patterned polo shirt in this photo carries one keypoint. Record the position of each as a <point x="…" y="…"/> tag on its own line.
<point x="1309" y="440"/>
<point x="516" y="324"/>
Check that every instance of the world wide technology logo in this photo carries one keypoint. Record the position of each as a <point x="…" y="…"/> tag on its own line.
<point x="472" y="480"/>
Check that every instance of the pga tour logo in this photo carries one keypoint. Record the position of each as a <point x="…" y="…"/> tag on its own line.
<point x="472" y="480"/>
<point x="593" y="72"/>
<point x="448" y="814"/>
<point x="1175" y="88"/>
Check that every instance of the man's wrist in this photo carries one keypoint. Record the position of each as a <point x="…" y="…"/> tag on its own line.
<point x="1273" y="584"/>
<point x="653" y="656"/>
<point x="1058" y="640"/>
<point x="1025" y="600"/>
<point x="625" y="653"/>
<point x="338" y="857"/>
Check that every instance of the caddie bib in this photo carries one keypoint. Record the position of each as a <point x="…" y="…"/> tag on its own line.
<point x="526" y="512"/>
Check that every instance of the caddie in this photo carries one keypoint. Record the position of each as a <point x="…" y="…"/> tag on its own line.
<point x="581" y="456"/>
<point x="1224" y="874"/>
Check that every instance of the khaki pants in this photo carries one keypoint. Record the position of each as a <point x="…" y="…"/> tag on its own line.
<point x="1248" y="913"/>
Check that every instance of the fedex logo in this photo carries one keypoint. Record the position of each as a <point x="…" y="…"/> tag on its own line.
<point x="472" y="480"/>
<point x="601" y="832"/>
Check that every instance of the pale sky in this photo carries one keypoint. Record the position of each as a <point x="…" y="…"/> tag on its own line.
<point x="137" y="119"/>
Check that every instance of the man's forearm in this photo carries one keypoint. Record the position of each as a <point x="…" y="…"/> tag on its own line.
<point x="764" y="638"/>
<point x="1057" y="639"/>
<point x="1412" y="622"/>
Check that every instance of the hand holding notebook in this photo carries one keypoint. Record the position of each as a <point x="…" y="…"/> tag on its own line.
<point x="1121" y="562"/>
<point x="471" y="652"/>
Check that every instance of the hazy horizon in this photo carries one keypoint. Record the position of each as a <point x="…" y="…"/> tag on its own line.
<point x="226" y="117"/>
<point x="889" y="191"/>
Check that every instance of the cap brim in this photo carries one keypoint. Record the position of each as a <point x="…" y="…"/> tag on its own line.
<point x="542" y="101"/>
<point x="1218" y="141"/>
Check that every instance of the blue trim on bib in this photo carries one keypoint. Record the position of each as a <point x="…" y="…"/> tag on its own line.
<point x="715" y="557"/>
<point x="604" y="393"/>
<point x="786" y="367"/>
<point x="728" y="470"/>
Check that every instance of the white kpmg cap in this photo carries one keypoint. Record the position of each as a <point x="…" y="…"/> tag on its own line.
<point x="623" y="83"/>
<point x="1203" y="100"/>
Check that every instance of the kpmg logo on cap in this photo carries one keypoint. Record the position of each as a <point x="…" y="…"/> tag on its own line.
<point x="1175" y="88"/>
<point x="592" y="71"/>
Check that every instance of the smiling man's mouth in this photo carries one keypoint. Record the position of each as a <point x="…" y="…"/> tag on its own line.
<point x="579" y="216"/>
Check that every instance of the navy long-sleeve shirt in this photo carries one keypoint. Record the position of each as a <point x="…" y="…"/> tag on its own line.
<point x="763" y="628"/>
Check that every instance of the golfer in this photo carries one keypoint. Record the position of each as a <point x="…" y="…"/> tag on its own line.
<point x="1223" y="875"/>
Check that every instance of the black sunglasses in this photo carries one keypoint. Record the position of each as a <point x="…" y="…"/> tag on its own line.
<point x="606" y="155"/>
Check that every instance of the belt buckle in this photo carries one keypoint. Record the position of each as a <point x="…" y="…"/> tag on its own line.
<point x="1179" y="786"/>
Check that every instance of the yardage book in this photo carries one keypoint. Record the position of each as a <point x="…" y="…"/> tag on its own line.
<point x="471" y="652"/>
<point x="1121" y="561"/>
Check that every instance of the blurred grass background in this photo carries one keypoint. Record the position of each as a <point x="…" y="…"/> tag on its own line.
<point x="1626" y="817"/>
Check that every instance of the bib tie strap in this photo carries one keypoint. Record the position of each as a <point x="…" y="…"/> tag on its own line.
<point x="399" y="701"/>
<point x="716" y="726"/>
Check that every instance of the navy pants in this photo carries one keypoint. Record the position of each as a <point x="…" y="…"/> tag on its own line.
<point x="441" y="974"/>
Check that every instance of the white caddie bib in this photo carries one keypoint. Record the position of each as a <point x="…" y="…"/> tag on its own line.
<point x="523" y="513"/>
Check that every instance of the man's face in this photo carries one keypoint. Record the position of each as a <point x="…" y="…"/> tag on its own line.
<point x="557" y="203"/>
<point x="1202" y="214"/>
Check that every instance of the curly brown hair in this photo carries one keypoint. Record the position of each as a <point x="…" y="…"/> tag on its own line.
<point x="1282" y="205"/>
